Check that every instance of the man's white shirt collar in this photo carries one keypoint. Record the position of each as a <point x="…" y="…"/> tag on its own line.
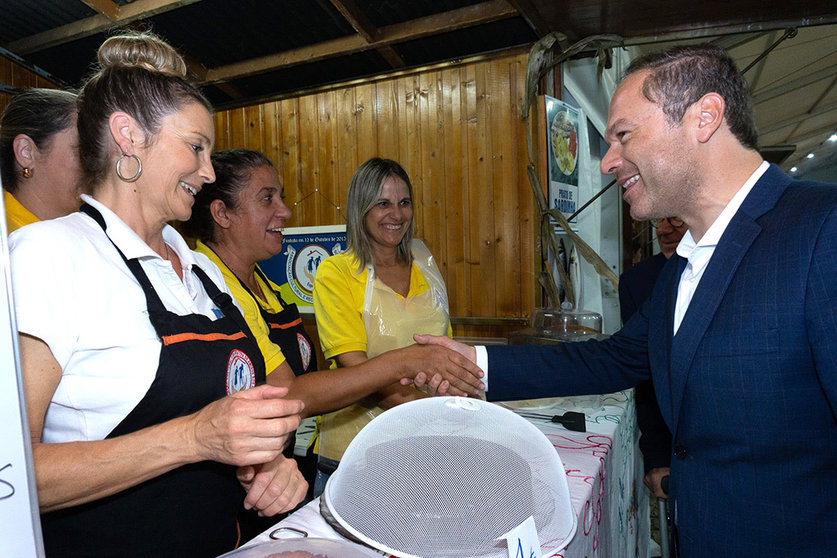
<point x="716" y="230"/>
<point x="699" y="253"/>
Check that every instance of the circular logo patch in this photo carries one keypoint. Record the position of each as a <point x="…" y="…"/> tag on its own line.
<point x="241" y="374"/>
<point x="304" y="350"/>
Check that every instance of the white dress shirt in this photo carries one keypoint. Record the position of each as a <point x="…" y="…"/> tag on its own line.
<point x="699" y="253"/>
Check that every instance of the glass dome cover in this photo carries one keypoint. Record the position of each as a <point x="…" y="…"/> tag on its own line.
<point x="566" y="320"/>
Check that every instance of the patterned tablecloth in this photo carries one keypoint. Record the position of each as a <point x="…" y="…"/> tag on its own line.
<point x="604" y="473"/>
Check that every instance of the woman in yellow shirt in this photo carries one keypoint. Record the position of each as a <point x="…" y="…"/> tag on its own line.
<point x="376" y="295"/>
<point x="238" y="221"/>
<point x="38" y="157"/>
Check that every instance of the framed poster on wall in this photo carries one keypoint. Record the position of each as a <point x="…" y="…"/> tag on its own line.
<point x="562" y="123"/>
<point x="303" y="248"/>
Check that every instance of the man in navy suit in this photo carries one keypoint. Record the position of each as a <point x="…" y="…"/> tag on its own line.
<point x="740" y="333"/>
<point x="635" y="287"/>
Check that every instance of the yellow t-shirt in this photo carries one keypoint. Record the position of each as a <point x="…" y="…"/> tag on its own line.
<point x="16" y="215"/>
<point x="271" y="352"/>
<point x="339" y="292"/>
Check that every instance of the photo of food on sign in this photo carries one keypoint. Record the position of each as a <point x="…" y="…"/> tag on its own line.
<point x="564" y="142"/>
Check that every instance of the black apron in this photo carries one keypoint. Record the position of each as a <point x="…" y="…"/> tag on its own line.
<point x="287" y="331"/>
<point x="189" y="511"/>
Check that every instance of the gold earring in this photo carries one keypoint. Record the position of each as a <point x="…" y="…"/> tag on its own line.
<point x="27" y="172"/>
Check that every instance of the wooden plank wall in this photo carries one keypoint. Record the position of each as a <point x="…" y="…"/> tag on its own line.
<point x="14" y="75"/>
<point x="459" y="134"/>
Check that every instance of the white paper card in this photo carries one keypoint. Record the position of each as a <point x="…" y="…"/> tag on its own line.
<point x="523" y="540"/>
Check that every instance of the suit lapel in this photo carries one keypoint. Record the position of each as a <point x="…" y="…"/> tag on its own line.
<point x="731" y="249"/>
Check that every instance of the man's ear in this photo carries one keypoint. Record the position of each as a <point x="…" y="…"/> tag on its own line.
<point x="25" y="150"/>
<point x="125" y="131"/>
<point x="218" y="210"/>
<point x="710" y="109"/>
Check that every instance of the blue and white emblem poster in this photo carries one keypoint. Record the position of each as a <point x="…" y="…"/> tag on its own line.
<point x="303" y="248"/>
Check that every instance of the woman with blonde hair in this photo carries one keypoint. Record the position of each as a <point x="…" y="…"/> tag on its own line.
<point x="239" y="220"/>
<point x="375" y="296"/>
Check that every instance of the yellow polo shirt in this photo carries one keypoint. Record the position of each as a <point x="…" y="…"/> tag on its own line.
<point x="271" y="352"/>
<point x="16" y="215"/>
<point x="339" y="292"/>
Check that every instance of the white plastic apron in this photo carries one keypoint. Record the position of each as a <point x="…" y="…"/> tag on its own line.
<point x="390" y="321"/>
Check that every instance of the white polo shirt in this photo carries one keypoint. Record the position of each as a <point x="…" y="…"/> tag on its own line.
<point x="73" y="291"/>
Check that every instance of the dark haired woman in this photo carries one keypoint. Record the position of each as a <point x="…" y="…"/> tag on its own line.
<point x="38" y="157"/>
<point x="239" y="221"/>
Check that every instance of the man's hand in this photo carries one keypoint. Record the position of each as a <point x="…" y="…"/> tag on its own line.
<point x="653" y="479"/>
<point x="442" y="367"/>
<point x="465" y="350"/>
<point x="436" y="384"/>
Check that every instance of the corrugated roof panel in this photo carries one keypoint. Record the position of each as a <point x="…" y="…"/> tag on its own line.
<point x="467" y="42"/>
<point x="70" y="62"/>
<point x="294" y="78"/>
<point x="210" y="30"/>
<point x="388" y="12"/>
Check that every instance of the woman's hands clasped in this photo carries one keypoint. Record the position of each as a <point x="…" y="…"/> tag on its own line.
<point x="274" y="487"/>
<point x="251" y="429"/>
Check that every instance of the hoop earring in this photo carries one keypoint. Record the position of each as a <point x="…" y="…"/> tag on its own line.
<point x="119" y="167"/>
<point x="27" y="172"/>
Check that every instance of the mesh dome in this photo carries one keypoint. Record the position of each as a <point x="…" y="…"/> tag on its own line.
<point x="444" y="477"/>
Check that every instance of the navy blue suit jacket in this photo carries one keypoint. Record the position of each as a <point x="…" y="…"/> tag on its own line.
<point x="635" y="287"/>
<point x="748" y="386"/>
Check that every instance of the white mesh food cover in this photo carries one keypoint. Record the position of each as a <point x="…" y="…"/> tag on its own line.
<point x="446" y="476"/>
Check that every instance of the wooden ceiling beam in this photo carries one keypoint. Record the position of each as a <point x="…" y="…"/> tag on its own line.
<point x="95" y="24"/>
<point x="366" y="29"/>
<point x="391" y="56"/>
<point x="357" y="19"/>
<point x="107" y="8"/>
<point x="485" y="12"/>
